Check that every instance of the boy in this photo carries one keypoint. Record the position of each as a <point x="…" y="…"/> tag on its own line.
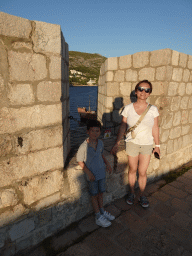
<point x="91" y="159"/>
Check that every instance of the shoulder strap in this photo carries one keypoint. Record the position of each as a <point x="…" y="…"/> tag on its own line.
<point x="140" y="119"/>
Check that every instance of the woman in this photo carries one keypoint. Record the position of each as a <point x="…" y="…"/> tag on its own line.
<point x="139" y="149"/>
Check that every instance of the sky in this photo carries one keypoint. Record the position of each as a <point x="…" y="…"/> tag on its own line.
<point x="113" y="28"/>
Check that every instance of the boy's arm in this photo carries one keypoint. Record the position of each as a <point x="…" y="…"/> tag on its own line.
<point x="87" y="171"/>
<point x="109" y="169"/>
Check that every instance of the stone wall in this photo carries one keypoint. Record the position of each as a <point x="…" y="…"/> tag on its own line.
<point x="171" y="75"/>
<point x="34" y="130"/>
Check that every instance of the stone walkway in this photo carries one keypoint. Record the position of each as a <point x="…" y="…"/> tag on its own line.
<point x="165" y="228"/>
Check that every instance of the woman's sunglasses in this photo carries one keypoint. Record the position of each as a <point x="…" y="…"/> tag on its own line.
<point x="147" y="90"/>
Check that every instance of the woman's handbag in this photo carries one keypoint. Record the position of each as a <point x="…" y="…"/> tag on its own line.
<point x="131" y="129"/>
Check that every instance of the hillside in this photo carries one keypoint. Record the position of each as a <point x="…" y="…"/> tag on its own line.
<point x="87" y="63"/>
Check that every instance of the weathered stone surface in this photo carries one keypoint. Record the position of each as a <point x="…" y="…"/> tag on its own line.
<point x="21" y="94"/>
<point x="20" y="45"/>
<point x="109" y="102"/>
<point x="49" y="91"/>
<point x="112" y="89"/>
<point x="47" y="37"/>
<point x="56" y="69"/>
<point x="164" y="135"/>
<point x="170" y="147"/>
<point x="4" y="68"/>
<point x="102" y="69"/>
<point x="109" y="76"/>
<point x="125" y="88"/>
<point x="190" y="116"/>
<point x="11" y="215"/>
<point x="175" y="58"/>
<point x="21" y="229"/>
<point x="186" y="75"/>
<point x="175" y="132"/>
<point x="177" y="74"/>
<point x="190" y="102"/>
<point x="76" y="179"/>
<point x="111" y="64"/>
<point x="49" y="200"/>
<point x="184" y="116"/>
<point x="125" y="62"/>
<point x="131" y="75"/>
<point x="42" y="186"/>
<point x="27" y="66"/>
<point x="186" y="140"/>
<point x="177" y="118"/>
<point x="147" y="73"/>
<point x="140" y="59"/>
<point x="29" y="117"/>
<point x="159" y="88"/>
<point x="160" y="57"/>
<point x="190" y="62"/>
<point x="184" y="102"/>
<point x="164" y="73"/>
<point x="185" y="129"/>
<point x="175" y="103"/>
<point x="119" y="76"/>
<point x="189" y="88"/>
<point x="6" y="145"/>
<point x="14" y="26"/>
<point x="183" y="60"/>
<point x="172" y="89"/>
<point x="178" y="144"/>
<point x="8" y="197"/>
<point x="17" y="168"/>
<point x="181" y="89"/>
<point x="167" y="121"/>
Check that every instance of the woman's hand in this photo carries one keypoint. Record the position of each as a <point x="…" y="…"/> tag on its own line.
<point x="108" y="168"/>
<point x="114" y="149"/>
<point x="157" y="150"/>
<point x="91" y="176"/>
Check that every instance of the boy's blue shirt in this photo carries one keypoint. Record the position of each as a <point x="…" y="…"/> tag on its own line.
<point x="92" y="158"/>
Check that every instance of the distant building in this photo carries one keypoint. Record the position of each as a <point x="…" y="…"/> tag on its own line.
<point x="91" y="82"/>
<point x="74" y="72"/>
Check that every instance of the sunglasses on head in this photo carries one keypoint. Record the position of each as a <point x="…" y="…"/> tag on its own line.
<point x="147" y="90"/>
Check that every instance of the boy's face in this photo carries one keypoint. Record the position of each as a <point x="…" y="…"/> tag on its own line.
<point x="94" y="133"/>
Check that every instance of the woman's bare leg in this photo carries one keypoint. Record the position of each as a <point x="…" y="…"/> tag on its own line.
<point x="143" y="165"/>
<point x="133" y="163"/>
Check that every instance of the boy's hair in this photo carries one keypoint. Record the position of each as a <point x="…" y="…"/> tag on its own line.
<point x="93" y="123"/>
<point x="144" y="81"/>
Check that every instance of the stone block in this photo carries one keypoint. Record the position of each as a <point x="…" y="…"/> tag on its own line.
<point x="47" y="37"/>
<point x="125" y="62"/>
<point x="109" y="102"/>
<point x="49" y="91"/>
<point x="170" y="147"/>
<point x="14" y="26"/>
<point x="67" y="52"/>
<point x="9" y="216"/>
<point x="184" y="102"/>
<point x="8" y="197"/>
<point x="125" y="88"/>
<point x="76" y="180"/>
<point x="17" y="168"/>
<point x="173" y="88"/>
<point x="177" y="118"/>
<point x="22" y="45"/>
<point x="184" y="116"/>
<point x="116" y="117"/>
<point x="164" y="136"/>
<point x="147" y="73"/>
<point x="167" y="121"/>
<point x="178" y="144"/>
<point x="177" y="74"/>
<point x="56" y="69"/>
<point x="175" y="103"/>
<point x="164" y="73"/>
<point x="49" y="200"/>
<point x="186" y="75"/>
<point x="140" y="59"/>
<point x="39" y="139"/>
<point x="102" y="69"/>
<point x="190" y="116"/>
<point x="29" y="117"/>
<point x="190" y="102"/>
<point x="112" y="89"/>
<point x="190" y="62"/>
<point x="175" y="58"/>
<point x="119" y="76"/>
<point x="183" y="60"/>
<point x="186" y="140"/>
<point x="189" y="88"/>
<point x="42" y="186"/>
<point x="185" y="129"/>
<point x="175" y="132"/>
<point x="111" y="64"/>
<point x="118" y="103"/>
<point x="6" y="145"/>
<point x="109" y="76"/>
<point x="131" y="75"/>
<point x="21" y="229"/>
<point x="20" y="94"/>
<point x="160" y="57"/>
<point x="27" y="66"/>
<point x="159" y="88"/>
<point x="181" y="89"/>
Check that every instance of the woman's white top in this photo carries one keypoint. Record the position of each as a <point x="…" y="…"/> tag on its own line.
<point x="144" y="130"/>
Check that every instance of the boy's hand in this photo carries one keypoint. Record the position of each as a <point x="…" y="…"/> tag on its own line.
<point x="109" y="169"/>
<point x="91" y="177"/>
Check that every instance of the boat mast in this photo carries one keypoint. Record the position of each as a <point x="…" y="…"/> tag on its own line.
<point x="89" y="104"/>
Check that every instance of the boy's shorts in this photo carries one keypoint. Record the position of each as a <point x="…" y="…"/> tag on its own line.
<point x="133" y="149"/>
<point x="96" y="187"/>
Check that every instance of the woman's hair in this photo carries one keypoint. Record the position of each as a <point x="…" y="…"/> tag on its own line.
<point x="93" y="123"/>
<point x="144" y="81"/>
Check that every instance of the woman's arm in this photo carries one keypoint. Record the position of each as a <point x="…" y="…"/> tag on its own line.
<point x="87" y="171"/>
<point x="155" y="133"/>
<point x="121" y="131"/>
<point x="109" y="169"/>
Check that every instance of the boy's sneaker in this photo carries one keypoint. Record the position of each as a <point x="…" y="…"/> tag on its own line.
<point x="108" y="216"/>
<point x="103" y="222"/>
<point x="130" y="199"/>
<point x="143" y="201"/>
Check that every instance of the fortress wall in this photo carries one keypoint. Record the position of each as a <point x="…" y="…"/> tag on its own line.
<point x="34" y="129"/>
<point x="171" y="75"/>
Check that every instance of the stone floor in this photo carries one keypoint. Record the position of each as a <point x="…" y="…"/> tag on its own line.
<point x="165" y="228"/>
